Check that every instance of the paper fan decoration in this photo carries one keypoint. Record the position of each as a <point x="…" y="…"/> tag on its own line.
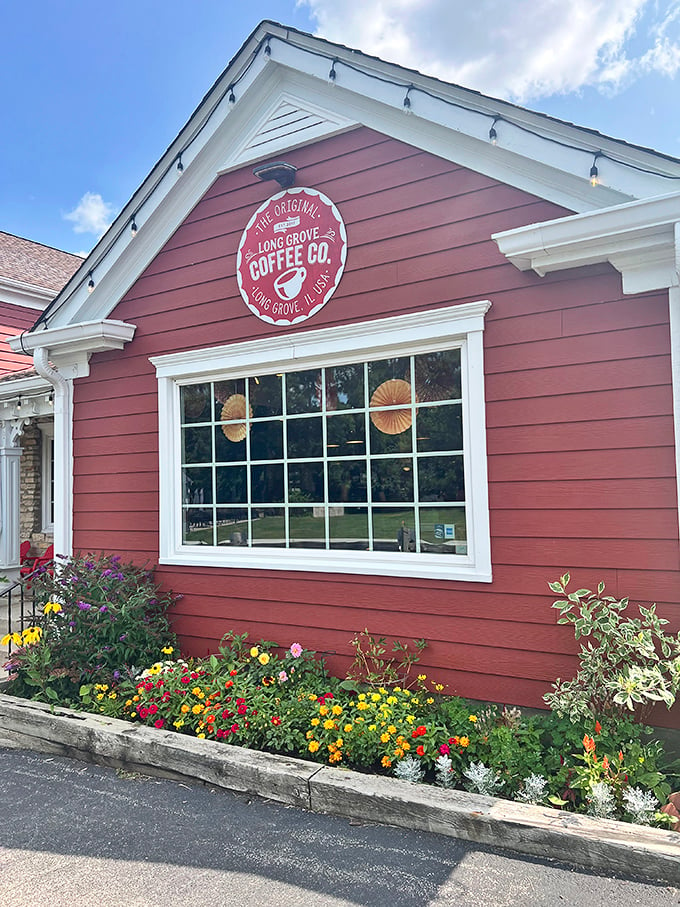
<point x="391" y="393"/>
<point x="235" y="408"/>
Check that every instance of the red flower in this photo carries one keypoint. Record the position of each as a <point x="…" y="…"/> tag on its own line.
<point x="242" y="709"/>
<point x="233" y="673"/>
<point x="185" y="679"/>
<point x="276" y="720"/>
<point x="598" y="727"/>
<point x="148" y="687"/>
<point x="158" y="723"/>
<point x="153" y="708"/>
<point x="229" y="683"/>
<point x="444" y="749"/>
<point x="143" y="712"/>
<point x="420" y="750"/>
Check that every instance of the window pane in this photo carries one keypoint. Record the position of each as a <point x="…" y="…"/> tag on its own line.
<point x="267" y="483"/>
<point x="382" y="443"/>
<point x="232" y="526"/>
<point x="349" y="529"/>
<point x="269" y="528"/>
<point x="394" y="529"/>
<point x="223" y="390"/>
<point x="441" y="478"/>
<point x="346" y="435"/>
<point x="265" y="395"/>
<point x="227" y="451"/>
<point x="307" y="527"/>
<point x="197" y="485"/>
<point x="303" y="392"/>
<point x="345" y="387"/>
<point x="388" y="370"/>
<point x="443" y="530"/>
<point x="439" y="427"/>
<point x="305" y="438"/>
<point x="197" y="526"/>
<point x="347" y="481"/>
<point x="305" y="483"/>
<point x="392" y="480"/>
<point x="195" y="403"/>
<point x="438" y="376"/>
<point x="196" y="446"/>
<point x="231" y="485"/>
<point x="266" y="440"/>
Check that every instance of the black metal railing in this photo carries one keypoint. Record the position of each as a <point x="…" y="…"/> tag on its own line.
<point x="19" y="598"/>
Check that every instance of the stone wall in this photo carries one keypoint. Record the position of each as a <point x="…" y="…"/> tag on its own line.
<point x="30" y="517"/>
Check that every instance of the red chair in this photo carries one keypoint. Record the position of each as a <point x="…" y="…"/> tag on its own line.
<point x="30" y="564"/>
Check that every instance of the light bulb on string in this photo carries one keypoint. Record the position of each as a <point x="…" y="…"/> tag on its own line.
<point x="90" y="283"/>
<point x="493" y="135"/>
<point x="407" y="100"/>
<point x="267" y="49"/>
<point x="180" y="165"/>
<point x="594" y="172"/>
<point x="133" y="226"/>
<point x="332" y="75"/>
<point x="232" y="96"/>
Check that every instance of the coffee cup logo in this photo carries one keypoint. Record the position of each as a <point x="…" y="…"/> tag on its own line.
<point x="289" y="284"/>
<point x="291" y="256"/>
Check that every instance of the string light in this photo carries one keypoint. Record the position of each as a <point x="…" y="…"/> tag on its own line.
<point x="18" y="404"/>
<point x="594" y="173"/>
<point x="133" y="226"/>
<point x="265" y="48"/>
<point x="493" y="135"/>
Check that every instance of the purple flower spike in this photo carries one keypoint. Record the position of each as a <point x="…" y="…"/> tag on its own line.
<point x="103" y="609"/>
<point x="84" y="606"/>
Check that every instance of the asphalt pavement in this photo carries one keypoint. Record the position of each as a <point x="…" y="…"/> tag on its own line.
<point x="80" y="835"/>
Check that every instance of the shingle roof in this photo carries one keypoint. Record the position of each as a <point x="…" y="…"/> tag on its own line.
<point x="32" y="263"/>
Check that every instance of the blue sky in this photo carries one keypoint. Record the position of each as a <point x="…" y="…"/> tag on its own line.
<point x="95" y="92"/>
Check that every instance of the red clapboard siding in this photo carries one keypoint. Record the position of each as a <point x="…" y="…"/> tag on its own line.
<point x="579" y="417"/>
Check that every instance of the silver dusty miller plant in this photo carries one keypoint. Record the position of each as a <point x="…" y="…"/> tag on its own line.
<point x="409" y="769"/>
<point x="443" y="772"/>
<point x="482" y="780"/>
<point x="641" y="805"/>
<point x="534" y="789"/>
<point x="601" y="801"/>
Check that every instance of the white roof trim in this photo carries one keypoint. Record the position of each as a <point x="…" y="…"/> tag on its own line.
<point x="16" y="292"/>
<point x="535" y="153"/>
<point x="638" y="239"/>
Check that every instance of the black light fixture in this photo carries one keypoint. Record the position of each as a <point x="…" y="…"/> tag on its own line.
<point x="90" y="283"/>
<point x="133" y="226"/>
<point x="493" y="135"/>
<point x="407" y="100"/>
<point x="332" y="75"/>
<point x="267" y="49"/>
<point x="180" y="165"/>
<point x="232" y="96"/>
<point x="594" y="172"/>
<point x="283" y="173"/>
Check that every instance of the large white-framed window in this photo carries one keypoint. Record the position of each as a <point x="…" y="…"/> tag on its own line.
<point x="353" y="449"/>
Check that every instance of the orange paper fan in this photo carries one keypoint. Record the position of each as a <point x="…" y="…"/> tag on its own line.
<point x="235" y="408"/>
<point x="391" y="393"/>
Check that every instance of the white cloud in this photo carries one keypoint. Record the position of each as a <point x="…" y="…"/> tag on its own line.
<point x="91" y="215"/>
<point x="518" y="50"/>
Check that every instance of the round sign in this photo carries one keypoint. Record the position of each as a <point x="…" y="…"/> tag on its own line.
<point x="291" y="256"/>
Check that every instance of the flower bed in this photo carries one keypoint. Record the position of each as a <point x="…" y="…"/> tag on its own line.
<point x="99" y="618"/>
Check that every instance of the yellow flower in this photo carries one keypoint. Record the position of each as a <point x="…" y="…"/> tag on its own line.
<point x="337" y="710"/>
<point x="439" y="687"/>
<point x="384" y="738"/>
<point x="323" y="710"/>
<point x="406" y="745"/>
<point x="361" y="697"/>
<point x="167" y="650"/>
<point x="375" y="697"/>
<point x="309" y="735"/>
<point x="339" y="742"/>
<point x="329" y="724"/>
<point x="185" y="708"/>
<point x="429" y="700"/>
<point x="201" y="736"/>
<point x="422" y="677"/>
<point x="263" y="658"/>
<point x="464" y="741"/>
<point x="100" y="695"/>
<point x="197" y="709"/>
<point x="313" y="746"/>
<point x="372" y="727"/>
<point x="335" y="757"/>
<point x="386" y="762"/>
<point x="11" y="637"/>
<point x="362" y="706"/>
<point x="392" y="700"/>
<point x="128" y="703"/>
<point x="315" y="721"/>
<point x="410" y="718"/>
<point x="52" y="607"/>
<point x="400" y="739"/>
<point x="113" y="695"/>
<point x="31" y="635"/>
<point x="156" y="668"/>
<point x="399" y="752"/>
<point x="179" y="723"/>
<point x="254" y="652"/>
<point x="391" y="729"/>
<point x="382" y="690"/>
<point x="347" y="728"/>
<point x="473" y="719"/>
<point x="196" y="691"/>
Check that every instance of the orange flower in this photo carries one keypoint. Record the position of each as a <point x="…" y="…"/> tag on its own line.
<point x="598" y="727"/>
<point x="605" y="764"/>
<point x="588" y="744"/>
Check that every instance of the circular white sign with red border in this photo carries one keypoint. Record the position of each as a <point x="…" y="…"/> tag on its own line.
<point x="291" y="256"/>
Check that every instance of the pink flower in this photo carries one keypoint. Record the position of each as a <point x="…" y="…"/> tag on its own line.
<point x="283" y="677"/>
<point x="158" y="723"/>
<point x="296" y="650"/>
<point x="444" y="749"/>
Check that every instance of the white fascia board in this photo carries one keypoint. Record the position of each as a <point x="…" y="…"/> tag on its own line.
<point x="70" y="347"/>
<point x="23" y="387"/>
<point x="637" y="238"/>
<point x="299" y="69"/>
<point x="26" y="295"/>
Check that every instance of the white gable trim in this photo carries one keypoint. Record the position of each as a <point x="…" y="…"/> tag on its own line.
<point x="543" y="156"/>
